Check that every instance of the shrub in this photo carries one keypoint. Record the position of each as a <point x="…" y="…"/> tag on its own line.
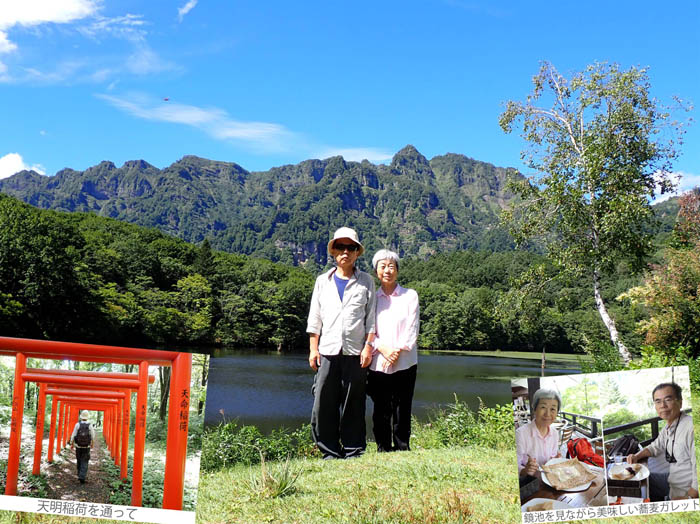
<point x="653" y="357"/>
<point x="605" y="357"/>
<point x="623" y="416"/>
<point x="28" y="485"/>
<point x="228" y="444"/>
<point x="458" y="425"/>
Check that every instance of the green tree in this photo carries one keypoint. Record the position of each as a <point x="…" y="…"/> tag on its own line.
<point x="204" y="263"/>
<point x="583" y="398"/>
<point x="596" y="143"/>
<point x="671" y="292"/>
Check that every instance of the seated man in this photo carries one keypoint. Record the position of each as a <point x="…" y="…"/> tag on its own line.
<point x="676" y="442"/>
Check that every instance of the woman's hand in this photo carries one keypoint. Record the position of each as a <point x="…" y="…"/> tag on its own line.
<point x="390" y="354"/>
<point x="531" y="467"/>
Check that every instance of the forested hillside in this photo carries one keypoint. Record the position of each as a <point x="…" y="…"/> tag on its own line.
<point x="81" y="277"/>
<point x="415" y="206"/>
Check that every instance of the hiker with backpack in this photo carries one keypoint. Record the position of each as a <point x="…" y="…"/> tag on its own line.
<point x="82" y="439"/>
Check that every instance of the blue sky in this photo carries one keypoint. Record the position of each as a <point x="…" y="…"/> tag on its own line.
<point x="266" y="83"/>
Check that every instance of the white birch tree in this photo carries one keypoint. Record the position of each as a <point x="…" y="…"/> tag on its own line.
<point x="600" y="146"/>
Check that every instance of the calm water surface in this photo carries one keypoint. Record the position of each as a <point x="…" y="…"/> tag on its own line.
<point x="270" y="391"/>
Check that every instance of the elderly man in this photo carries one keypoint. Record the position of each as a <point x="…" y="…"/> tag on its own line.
<point x="83" y="440"/>
<point x="341" y="332"/>
<point x="676" y="443"/>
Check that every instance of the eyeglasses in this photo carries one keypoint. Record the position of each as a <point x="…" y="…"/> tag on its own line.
<point x="350" y="247"/>
<point x="665" y="400"/>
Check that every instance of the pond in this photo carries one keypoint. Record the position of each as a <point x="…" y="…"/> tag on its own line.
<point x="271" y="390"/>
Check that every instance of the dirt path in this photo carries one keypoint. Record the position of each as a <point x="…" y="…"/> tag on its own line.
<point x="63" y="481"/>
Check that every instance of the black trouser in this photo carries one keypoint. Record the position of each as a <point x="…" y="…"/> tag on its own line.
<point x="82" y="457"/>
<point x="392" y="394"/>
<point x="338" y="415"/>
<point x="658" y="487"/>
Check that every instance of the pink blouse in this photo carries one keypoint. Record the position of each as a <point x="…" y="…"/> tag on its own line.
<point x="529" y="441"/>
<point x="397" y="327"/>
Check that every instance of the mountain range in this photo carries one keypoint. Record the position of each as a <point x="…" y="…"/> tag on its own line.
<point x="412" y="205"/>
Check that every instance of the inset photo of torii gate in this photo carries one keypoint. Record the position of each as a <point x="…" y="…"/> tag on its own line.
<point x="132" y="410"/>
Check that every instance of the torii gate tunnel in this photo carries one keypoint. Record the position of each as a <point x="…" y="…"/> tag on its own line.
<point x="94" y="390"/>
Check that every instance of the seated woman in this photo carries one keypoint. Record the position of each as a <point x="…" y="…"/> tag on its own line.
<point x="536" y="441"/>
<point x="392" y="373"/>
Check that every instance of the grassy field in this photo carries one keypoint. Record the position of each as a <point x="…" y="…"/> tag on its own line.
<point x="448" y="485"/>
<point x="473" y="483"/>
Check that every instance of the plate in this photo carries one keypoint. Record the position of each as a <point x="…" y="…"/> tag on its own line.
<point x="558" y="504"/>
<point x="616" y="468"/>
<point x="575" y="488"/>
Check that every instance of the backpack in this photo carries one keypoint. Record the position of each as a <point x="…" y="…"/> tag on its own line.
<point x="625" y="445"/>
<point x="82" y="437"/>
<point x="582" y="450"/>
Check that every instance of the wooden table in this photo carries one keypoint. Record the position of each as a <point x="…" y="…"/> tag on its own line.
<point x="594" y="495"/>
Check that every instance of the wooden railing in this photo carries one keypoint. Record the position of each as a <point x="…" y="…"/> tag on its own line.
<point x="653" y="422"/>
<point x="591" y="431"/>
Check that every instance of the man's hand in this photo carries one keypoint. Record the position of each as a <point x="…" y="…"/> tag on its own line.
<point x="632" y="459"/>
<point x="314" y="359"/>
<point x="366" y="356"/>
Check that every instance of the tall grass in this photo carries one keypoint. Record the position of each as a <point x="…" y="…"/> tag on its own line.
<point x="230" y="444"/>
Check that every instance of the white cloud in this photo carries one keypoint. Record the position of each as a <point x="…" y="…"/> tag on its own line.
<point x="5" y="45"/>
<point x="182" y="11"/>
<point x="141" y="60"/>
<point x="13" y="163"/>
<point x="145" y="61"/>
<point x="262" y="136"/>
<point x="684" y="181"/>
<point x="128" y="27"/>
<point x="688" y="181"/>
<point x="357" y="154"/>
<point x="30" y="13"/>
<point x="35" y="12"/>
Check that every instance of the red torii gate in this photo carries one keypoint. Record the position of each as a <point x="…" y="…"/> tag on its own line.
<point x="67" y="420"/>
<point x="107" y="406"/>
<point x="86" y="391"/>
<point x="56" y="393"/>
<point x="178" y="411"/>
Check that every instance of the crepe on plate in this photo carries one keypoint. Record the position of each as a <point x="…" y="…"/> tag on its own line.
<point x="627" y="472"/>
<point x="567" y="474"/>
<point x="542" y="506"/>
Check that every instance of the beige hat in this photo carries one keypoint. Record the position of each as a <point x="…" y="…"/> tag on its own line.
<point x="349" y="233"/>
<point x="84" y="414"/>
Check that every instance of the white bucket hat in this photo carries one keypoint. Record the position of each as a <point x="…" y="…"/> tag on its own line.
<point x="84" y="415"/>
<point x="349" y="233"/>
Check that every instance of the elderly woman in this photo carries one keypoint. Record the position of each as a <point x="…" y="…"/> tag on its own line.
<point x="537" y="441"/>
<point x="392" y="373"/>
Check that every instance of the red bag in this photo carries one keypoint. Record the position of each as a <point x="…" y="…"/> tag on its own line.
<point x="582" y="450"/>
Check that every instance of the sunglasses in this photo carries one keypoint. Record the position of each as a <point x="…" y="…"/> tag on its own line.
<point x="342" y="247"/>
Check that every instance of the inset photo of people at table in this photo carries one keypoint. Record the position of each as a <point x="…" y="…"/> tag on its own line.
<point x="602" y="439"/>
<point x="648" y="434"/>
<point x="559" y="443"/>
